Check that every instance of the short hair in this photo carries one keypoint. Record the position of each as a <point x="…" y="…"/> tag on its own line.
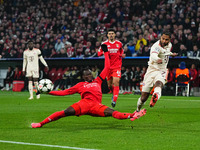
<point x="30" y="41"/>
<point x="166" y="32"/>
<point x="85" y="69"/>
<point x="111" y="30"/>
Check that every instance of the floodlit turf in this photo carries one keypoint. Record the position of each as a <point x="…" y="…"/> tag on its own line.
<point x="173" y="124"/>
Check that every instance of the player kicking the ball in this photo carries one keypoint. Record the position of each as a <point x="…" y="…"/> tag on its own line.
<point x="31" y="65"/>
<point x="91" y="97"/>
<point x="157" y="70"/>
<point x="116" y="54"/>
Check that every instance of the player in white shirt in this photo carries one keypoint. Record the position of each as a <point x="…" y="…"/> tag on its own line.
<point x="157" y="70"/>
<point x="31" y="58"/>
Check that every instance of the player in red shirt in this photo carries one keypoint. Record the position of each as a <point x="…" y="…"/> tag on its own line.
<point x="91" y="97"/>
<point x="116" y="54"/>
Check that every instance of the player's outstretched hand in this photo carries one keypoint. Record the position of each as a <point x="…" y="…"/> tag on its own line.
<point x="174" y="54"/>
<point x="104" y="47"/>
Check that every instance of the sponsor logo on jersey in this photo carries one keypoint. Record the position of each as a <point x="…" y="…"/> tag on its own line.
<point x="113" y="50"/>
<point x="91" y="85"/>
<point x="157" y="49"/>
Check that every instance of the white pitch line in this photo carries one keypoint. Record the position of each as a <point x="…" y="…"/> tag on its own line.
<point x="67" y="147"/>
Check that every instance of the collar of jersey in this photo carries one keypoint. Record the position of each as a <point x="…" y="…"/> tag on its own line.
<point x="111" y="42"/>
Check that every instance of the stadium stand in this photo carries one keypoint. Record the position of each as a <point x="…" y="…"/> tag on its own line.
<point x="81" y="26"/>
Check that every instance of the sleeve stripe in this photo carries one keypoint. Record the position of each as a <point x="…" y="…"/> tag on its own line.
<point x="100" y="78"/>
<point x="154" y="52"/>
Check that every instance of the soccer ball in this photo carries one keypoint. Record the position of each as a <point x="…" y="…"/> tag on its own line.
<point x="45" y="86"/>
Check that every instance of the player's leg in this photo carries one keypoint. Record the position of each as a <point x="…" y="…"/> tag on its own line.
<point x="157" y="93"/>
<point x="30" y="87"/>
<point x="55" y="116"/>
<point x="101" y="110"/>
<point x="110" y="84"/>
<point x="116" y="75"/>
<point x="142" y="100"/>
<point x="145" y="88"/>
<point x="35" y="80"/>
<point x="4" y="84"/>
<point x="119" y="115"/>
<point x="115" y="89"/>
<point x="79" y="108"/>
<point x="116" y="114"/>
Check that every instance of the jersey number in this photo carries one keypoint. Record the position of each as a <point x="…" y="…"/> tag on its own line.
<point x="166" y="59"/>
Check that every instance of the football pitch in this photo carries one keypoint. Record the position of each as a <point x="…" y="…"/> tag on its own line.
<point x="173" y="124"/>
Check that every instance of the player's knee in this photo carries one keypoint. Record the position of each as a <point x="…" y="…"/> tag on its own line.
<point x="158" y="84"/>
<point x="69" y="111"/>
<point x="144" y="97"/>
<point x="108" y="112"/>
<point x="35" y="80"/>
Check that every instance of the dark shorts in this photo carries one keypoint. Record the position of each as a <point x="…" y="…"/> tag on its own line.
<point x="89" y="107"/>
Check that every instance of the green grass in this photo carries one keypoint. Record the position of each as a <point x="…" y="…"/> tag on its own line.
<point x="174" y="123"/>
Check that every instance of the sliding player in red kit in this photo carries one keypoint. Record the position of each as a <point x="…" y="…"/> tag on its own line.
<point x="91" y="97"/>
<point x="116" y="54"/>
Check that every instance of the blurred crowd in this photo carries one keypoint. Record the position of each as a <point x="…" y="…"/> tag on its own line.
<point x="76" y="28"/>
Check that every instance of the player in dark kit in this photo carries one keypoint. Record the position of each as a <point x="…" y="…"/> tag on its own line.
<point x="91" y="97"/>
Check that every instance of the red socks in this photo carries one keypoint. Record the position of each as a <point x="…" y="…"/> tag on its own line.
<point x="119" y="115"/>
<point x="55" y="116"/>
<point x="115" y="93"/>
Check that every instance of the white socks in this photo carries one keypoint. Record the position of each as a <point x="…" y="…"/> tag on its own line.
<point x="30" y="88"/>
<point x="139" y="104"/>
<point x="158" y="90"/>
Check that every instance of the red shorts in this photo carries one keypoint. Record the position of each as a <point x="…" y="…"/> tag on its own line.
<point x="89" y="107"/>
<point x="114" y="73"/>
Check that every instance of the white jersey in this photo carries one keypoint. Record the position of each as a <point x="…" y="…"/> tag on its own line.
<point x="158" y="52"/>
<point x="31" y="59"/>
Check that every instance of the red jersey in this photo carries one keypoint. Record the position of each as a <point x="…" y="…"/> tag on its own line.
<point x="88" y="90"/>
<point x="115" y="53"/>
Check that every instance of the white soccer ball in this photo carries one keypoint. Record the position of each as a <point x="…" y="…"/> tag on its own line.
<point x="45" y="86"/>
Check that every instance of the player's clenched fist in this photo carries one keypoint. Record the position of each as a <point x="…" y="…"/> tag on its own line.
<point x="104" y="47"/>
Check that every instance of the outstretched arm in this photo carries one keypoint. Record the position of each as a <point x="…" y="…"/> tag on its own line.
<point x="107" y="62"/>
<point x="69" y="91"/>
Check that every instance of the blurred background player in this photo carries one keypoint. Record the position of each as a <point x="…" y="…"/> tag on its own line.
<point x="157" y="70"/>
<point x="91" y="98"/>
<point x="8" y="80"/>
<point x="31" y="58"/>
<point x="116" y="54"/>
